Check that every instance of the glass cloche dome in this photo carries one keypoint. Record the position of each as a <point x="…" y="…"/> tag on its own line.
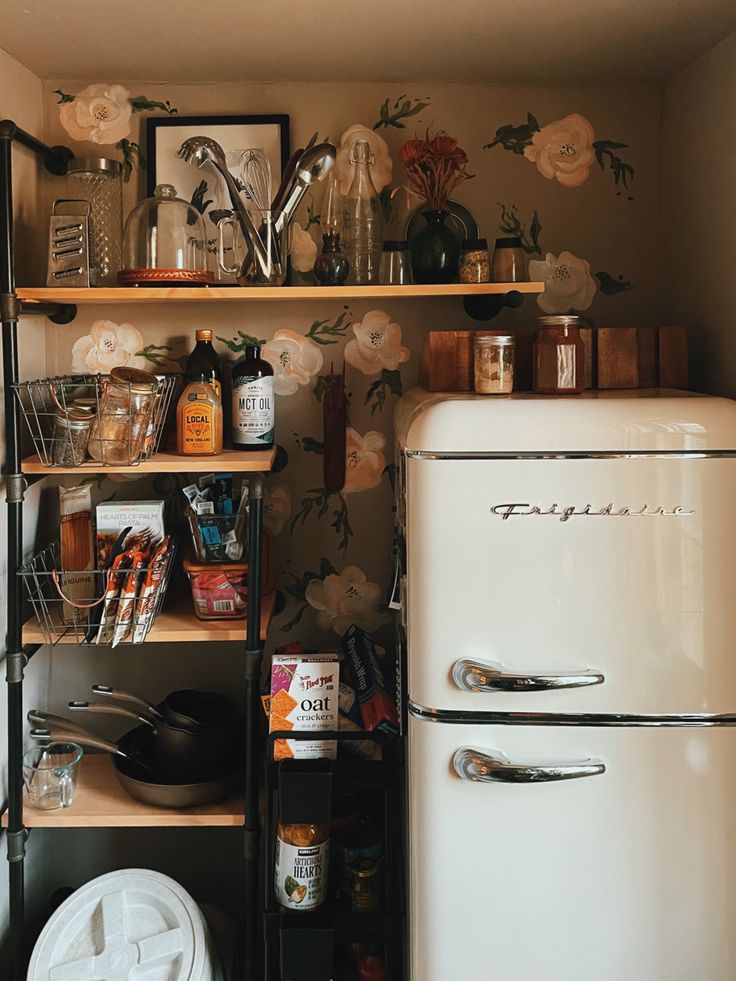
<point x="164" y="243"/>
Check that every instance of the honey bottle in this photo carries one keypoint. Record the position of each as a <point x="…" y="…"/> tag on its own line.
<point x="199" y="420"/>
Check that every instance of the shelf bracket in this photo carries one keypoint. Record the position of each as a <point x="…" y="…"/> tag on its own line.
<point x="17" y="844"/>
<point x="58" y="313"/>
<point x="489" y="306"/>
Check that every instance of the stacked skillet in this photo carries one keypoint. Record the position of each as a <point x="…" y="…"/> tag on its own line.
<point x="184" y="751"/>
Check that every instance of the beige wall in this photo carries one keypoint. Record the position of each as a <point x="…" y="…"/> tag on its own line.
<point x="699" y="213"/>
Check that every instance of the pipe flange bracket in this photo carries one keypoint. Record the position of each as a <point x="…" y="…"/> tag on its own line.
<point x="17" y="845"/>
<point x="256" y="487"/>
<point x="15" y="665"/>
<point x="16" y="486"/>
<point x="10" y="307"/>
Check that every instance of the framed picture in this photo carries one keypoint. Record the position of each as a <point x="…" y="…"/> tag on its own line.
<point x="203" y="186"/>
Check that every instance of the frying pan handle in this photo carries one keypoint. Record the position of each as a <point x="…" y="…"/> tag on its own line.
<point x="47" y="720"/>
<point x="126" y="696"/>
<point x="109" y="708"/>
<point x="69" y="736"/>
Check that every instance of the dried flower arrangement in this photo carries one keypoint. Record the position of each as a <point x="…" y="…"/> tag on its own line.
<point x="434" y="167"/>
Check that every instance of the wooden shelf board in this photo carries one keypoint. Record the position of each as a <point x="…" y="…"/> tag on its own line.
<point x="100" y="802"/>
<point x="232" y="461"/>
<point x="177" y="624"/>
<point x="135" y="294"/>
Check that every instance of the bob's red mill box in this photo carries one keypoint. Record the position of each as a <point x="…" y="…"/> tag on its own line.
<point x="305" y="692"/>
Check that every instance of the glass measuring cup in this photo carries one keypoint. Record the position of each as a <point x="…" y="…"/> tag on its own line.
<point x="50" y="774"/>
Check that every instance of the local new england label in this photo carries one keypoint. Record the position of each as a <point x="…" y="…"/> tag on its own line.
<point x="253" y="410"/>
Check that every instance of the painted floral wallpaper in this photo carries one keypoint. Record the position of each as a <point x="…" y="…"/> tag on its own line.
<point x="573" y="172"/>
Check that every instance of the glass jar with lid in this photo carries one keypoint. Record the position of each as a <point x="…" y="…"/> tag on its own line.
<point x="559" y="356"/>
<point x="493" y="363"/>
<point x="475" y="264"/>
<point x="71" y="435"/>
<point x="121" y="428"/>
<point x="165" y="243"/>
<point x="99" y="180"/>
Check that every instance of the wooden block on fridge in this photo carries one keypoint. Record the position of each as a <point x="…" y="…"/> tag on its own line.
<point x="590" y="342"/>
<point x="438" y="363"/>
<point x="646" y="339"/>
<point x="673" y="367"/>
<point x="618" y="357"/>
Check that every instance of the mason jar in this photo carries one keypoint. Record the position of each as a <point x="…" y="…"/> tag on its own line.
<point x="99" y="180"/>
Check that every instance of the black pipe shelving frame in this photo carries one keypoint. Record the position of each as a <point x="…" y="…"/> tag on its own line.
<point x="56" y="159"/>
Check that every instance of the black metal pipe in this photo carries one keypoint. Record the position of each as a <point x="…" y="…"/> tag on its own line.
<point x="14" y="646"/>
<point x="55" y="158"/>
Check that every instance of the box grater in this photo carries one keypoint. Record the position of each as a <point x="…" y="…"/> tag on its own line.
<point x="69" y="243"/>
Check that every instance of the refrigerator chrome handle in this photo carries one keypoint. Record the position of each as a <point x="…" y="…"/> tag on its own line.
<point x="479" y="766"/>
<point x="485" y="676"/>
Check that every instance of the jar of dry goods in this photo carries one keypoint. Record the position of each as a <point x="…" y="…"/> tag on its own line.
<point x="509" y="261"/>
<point x="119" y="430"/>
<point x="475" y="264"/>
<point x="493" y="367"/>
<point x="71" y="435"/>
<point x="559" y="356"/>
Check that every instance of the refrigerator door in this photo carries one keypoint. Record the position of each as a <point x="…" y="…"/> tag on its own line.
<point x="586" y="876"/>
<point x="572" y="584"/>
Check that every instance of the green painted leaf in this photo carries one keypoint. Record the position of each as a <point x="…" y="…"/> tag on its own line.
<point x="63" y="97"/>
<point x="238" y="344"/>
<point x="402" y="108"/>
<point x="389" y="382"/>
<point x="320" y="387"/>
<point x="610" y="285"/>
<point x="515" y="138"/>
<point x="139" y="103"/>
<point x="311" y="445"/>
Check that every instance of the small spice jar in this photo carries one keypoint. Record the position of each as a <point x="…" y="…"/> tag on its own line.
<point x="494" y="364"/>
<point x="559" y="356"/>
<point x="395" y="265"/>
<point x="475" y="264"/>
<point x="509" y="261"/>
<point x="71" y="435"/>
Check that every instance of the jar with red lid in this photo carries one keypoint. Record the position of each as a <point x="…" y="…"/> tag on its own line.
<point x="559" y="356"/>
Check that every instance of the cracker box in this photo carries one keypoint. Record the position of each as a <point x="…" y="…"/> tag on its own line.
<point x="305" y="698"/>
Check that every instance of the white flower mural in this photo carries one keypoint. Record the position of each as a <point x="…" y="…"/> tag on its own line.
<point x="364" y="460"/>
<point x="276" y="508"/>
<point x="295" y="359"/>
<point x="99" y="113"/>
<point x="108" y="345"/>
<point x="303" y="249"/>
<point x="377" y="344"/>
<point x="382" y="165"/>
<point x="563" y="150"/>
<point x="568" y="284"/>
<point x="344" y="598"/>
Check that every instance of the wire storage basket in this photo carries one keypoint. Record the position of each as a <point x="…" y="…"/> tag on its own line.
<point x="107" y="608"/>
<point x="108" y="420"/>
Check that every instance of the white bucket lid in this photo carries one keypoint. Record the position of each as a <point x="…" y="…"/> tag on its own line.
<point x="123" y="925"/>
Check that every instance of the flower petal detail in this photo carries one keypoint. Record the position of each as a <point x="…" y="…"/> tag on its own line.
<point x="344" y="598"/>
<point x="295" y="359"/>
<point x="563" y="150"/>
<point x="568" y="284"/>
<point x="377" y="344"/>
<point x="108" y="345"/>
<point x="100" y="113"/>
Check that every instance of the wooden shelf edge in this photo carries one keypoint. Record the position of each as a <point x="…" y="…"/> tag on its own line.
<point x="100" y="802"/>
<point x="121" y="294"/>
<point x="235" y="461"/>
<point x="174" y="626"/>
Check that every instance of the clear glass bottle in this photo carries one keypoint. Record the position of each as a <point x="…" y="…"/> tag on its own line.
<point x="99" y="180"/>
<point x="362" y="232"/>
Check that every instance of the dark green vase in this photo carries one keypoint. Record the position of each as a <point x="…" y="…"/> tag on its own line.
<point x="434" y="251"/>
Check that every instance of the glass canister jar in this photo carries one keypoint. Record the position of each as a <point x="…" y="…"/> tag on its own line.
<point x="395" y="266"/>
<point x="559" y="356"/>
<point x="71" y="435"/>
<point x="493" y="364"/>
<point x="475" y="264"/>
<point x="99" y="180"/>
<point x="121" y="427"/>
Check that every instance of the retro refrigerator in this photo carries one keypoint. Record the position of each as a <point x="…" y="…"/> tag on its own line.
<point x="569" y="599"/>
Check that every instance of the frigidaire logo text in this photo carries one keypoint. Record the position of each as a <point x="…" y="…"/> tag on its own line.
<point x="522" y="510"/>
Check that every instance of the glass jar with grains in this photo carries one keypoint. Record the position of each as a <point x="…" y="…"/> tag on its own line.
<point x="475" y="264"/>
<point x="493" y="365"/>
<point x="119" y="430"/>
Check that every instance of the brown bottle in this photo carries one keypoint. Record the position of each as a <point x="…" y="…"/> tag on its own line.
<point x="203" y="363"/>
<point x="253" y="402"/>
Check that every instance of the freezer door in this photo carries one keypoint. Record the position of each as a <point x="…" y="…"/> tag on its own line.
<point x="523" y="596"/>
<point x="621" y="870"/>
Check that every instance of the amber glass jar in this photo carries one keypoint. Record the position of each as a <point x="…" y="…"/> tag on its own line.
<point x="559" y="356"/>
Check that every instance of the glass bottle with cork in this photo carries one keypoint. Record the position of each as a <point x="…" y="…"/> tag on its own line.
<point x="253" y="402"/>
